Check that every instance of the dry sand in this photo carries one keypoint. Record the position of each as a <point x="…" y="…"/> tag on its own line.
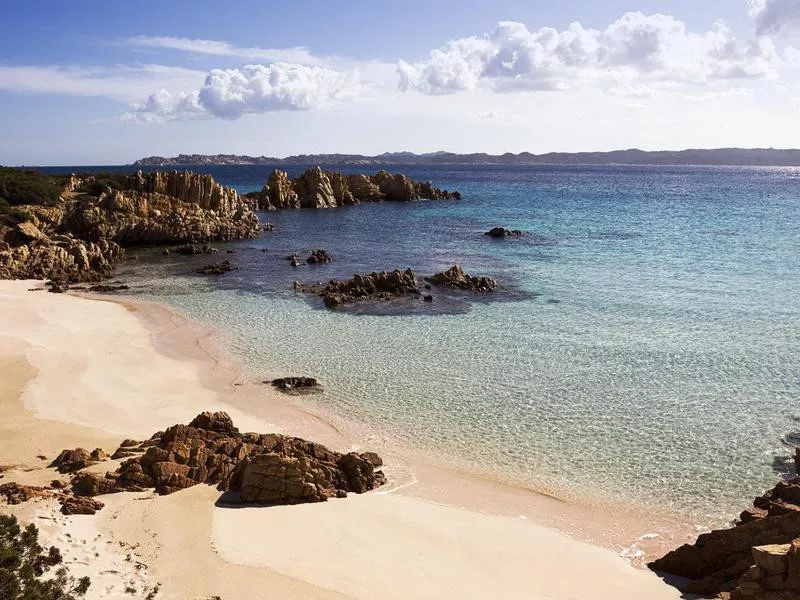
<point x="83" y="372"/>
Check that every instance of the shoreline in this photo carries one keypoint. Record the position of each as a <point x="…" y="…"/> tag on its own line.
<point x="424" y="494"/>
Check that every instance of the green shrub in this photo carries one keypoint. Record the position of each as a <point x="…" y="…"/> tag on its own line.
<point x="25" y="566"/>
<point x="19" y="186"/>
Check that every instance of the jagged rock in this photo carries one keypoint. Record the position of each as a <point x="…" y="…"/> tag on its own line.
<point x="324" y="189"/>
<point x="499" y="232"/>
<point x="457" y="278"/>
<point x="375" y="286"/>
<point x="262" y="468"/>
<point x="72" y="261"/>
<point x="80" y="505"/>
<point x="319" y="256"/>
<point x="70" y="461"/>
<point x="104" y="288"/>
<point x="295" y="383"/>
<point x="193" y="249"/>
<point x="218" y="268"/>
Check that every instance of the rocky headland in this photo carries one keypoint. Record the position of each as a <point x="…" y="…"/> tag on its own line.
<point x="81" y="229"/>
<point x="756" y="559"/>
<point x="328" y="189"/>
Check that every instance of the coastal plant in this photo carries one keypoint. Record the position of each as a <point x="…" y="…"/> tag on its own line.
<point x="19" y="186"/>
<point x="26" y="569"/>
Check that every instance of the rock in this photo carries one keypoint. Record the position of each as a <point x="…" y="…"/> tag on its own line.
<point x="269" y="468"/>
<point x="294" y="260"/>
<point x="193" y="249"/>
<point x="79" y="505"/>
<point x="428" y="298"/>
<point x="456" y="277"/>
<point x="165" y="252"/>
<point x="375" y="286"/>
<point x="70" y="461"/>
<point x="325" y="189"/>
<point x="295" y="383"/>
<point x="14" y="493"/>
<point x="74" y="261"/>
<point x="218" y="268"/>
<point x="268" y="227"/>
<point x="500" y="232"/>
<point x="319" y="256"/>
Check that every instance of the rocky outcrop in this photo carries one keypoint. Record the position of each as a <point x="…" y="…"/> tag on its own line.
<point x="455" y="277"/>
<point x="501" y="232"/>
<point x="195" y="249"/>
<point x="324" y="189"/>
<point x="70" y="461"/>
<point x="259" y="468"/>
<point x="218" y="268"/>
<point x="319" y="256"/>
<point x="375" y="286"/>
<point x="80" y="505"/>
<point x="287" y="384"/>
<point x="80" y="237"/>
<point x="735" y="560"/>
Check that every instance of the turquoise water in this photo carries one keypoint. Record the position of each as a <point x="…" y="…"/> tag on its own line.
<point x="645" y="346"/>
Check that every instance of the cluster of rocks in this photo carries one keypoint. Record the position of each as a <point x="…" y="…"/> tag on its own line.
<point x="317" y="256"/>
<point x="15" y="493"/>
<point x="386" y="285"/>
<point x="455" y="277"/>
<point x="501" y="232"/>
<point x="257" y="468"/>
<point x="756" y="559"/>
<point x="295" y="384"/>
<point x="195" y="249"/>
<point x="81" y="237"/>
<point x="218" y="268"/>
<point x="325" y="189"/>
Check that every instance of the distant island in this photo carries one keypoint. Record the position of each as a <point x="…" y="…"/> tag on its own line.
<point x="766" y="157"/>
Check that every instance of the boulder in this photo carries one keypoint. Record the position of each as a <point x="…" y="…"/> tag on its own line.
<point x="70" y="461"/>
<point x="384" y="285"/>
<point x="193" y="249"/>
<point x="319" y="256"/>
<point x="218" y="268"/>
<point x="295" y="383"/>
<point x="455" y="277"/>
<point x="80" y="505"/>
<point x="501" y="232"/>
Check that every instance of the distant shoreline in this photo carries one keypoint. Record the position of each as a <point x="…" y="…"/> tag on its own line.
<point x="732" y="157"/>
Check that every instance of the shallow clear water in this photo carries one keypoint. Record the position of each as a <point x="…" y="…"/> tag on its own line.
<point x="646" y="346"/>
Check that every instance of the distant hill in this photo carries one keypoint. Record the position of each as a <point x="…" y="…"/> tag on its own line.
<point x="715" y="157"/>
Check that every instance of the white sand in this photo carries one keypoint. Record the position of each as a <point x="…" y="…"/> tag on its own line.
<point x="79" y="372"/>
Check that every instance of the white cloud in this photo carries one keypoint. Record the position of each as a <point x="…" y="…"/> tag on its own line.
<point x="635" y="47"/>
<point x="771" y="16"/>
<point x="231" y="93"/>
<point x="299" y="55"/>
<point x="120" y="82"/>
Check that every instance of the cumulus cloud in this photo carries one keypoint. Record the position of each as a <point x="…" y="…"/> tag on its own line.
<point x="652" y="47"/>
<point x="231" y="93"/>
<point x="771" y="16"/>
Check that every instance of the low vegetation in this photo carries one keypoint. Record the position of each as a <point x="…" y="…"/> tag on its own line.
<point x="26" y="568"/>
<point x="22" y="186"/>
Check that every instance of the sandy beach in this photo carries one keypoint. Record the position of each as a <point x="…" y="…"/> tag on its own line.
<point x="83" y="372"/>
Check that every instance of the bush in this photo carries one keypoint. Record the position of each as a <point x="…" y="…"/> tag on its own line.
<point x="25" y="566"/>
<point x="19" y="186"/>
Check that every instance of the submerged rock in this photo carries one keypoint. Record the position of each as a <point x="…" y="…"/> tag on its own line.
<point x="262" y="468"/>
<point x="193" y="249"/>
<point x="295" y="383"/>
<point x="319" y="256"/>
<point x="218" y="268"/>
<point x="455" y="277"/>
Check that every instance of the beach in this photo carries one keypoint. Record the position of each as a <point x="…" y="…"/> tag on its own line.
<point x="87" y="372"/>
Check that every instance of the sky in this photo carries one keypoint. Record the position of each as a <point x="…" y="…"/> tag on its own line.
<point x="107" y="82"/>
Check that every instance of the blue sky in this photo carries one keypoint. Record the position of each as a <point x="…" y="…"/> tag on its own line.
<point x="108" y="82"/>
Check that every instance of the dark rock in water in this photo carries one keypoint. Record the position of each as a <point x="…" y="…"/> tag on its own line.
<point x="500" y="232"/>
<point x="165" y="252"/>
<point x="746" y="559"/>
<point x="268" y="227"/>
<point x="262" y="468"/>
<point x="193" y="249"/>
<point x="455" y="277"/>
<point x="104" y="288"/>
<point x="428" y="298"/>
<point x="375" y="286"/>
<point x="319" y="256"/>
<point x="294" y="260"/>
<point x="218" y="268"/>
<point x="295" y="383"/>
<point x="79" y="505"/>
<point x="230" y="251"/>
<point x="132" y="257"/>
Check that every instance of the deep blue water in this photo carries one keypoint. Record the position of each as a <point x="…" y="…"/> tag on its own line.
<point x="646" y="346"/>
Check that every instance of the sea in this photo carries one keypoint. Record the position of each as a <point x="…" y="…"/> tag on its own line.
<point x="644" y="345"/>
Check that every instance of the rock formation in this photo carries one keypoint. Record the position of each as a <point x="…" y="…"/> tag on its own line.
<point x="756" y="559"/>
<point x="218" y="268"/>
<point x="319" y="256"/>
<point x="456" y="277"/>
<point x="259" y="468"/>
<point x="194" y="249"/>
<point x="375" y="286"/>
<point x="70" y="461"/>
<point x="79" y="238"/>
<point x="324" y="189"/>
<point x="287" y="384"/>
<point x="501" y="232"/>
